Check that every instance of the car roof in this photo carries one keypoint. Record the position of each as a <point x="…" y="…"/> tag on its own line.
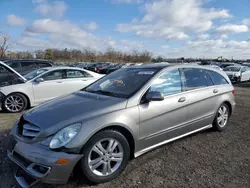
<point x="239" y="66"/>
<point x="62" y="67"/>
<point x="27" y="60"/>
<point x="173" y="65"/>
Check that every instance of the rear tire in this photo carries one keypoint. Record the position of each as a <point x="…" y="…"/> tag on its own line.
<point x="221" y="118"/>
<point x="14" y="103"/>
<point x="106" y="162"/>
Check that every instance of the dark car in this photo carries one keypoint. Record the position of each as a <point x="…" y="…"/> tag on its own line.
<point x="97" y="66"/>
<point x="25" y="66"/>
<point x="114" y="68"/>
<point x="91" y="66"/>
<point x="246" y="64"/>
<point x="104" y="69"/>
<point x="224" y="65"/>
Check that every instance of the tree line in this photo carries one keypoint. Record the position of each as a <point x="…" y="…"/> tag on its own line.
<point x="85" y="55"/>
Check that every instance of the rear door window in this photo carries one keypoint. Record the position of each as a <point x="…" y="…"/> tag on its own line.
<point x="194" y="78"/>
<point x="28" y="65"/>
<point x="169" y="83"/>
<point x="43" y="64"/>
<point x="53" y="75"/>
<point x="217" y="78"/>
<point x="14" y="65"/>
<point x="77" y="74"/>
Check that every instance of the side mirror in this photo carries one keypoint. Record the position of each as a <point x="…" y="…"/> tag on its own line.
<point x="154" y="96"/>
<point x="38" y="80"/>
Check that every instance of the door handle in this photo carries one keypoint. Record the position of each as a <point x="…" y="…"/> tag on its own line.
<point x="182" y="99"/>
<point x="59" y="82"/>
<point x="215" y="91"/>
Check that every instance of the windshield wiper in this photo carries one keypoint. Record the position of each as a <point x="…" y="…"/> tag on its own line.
<point x="104" y="92"/>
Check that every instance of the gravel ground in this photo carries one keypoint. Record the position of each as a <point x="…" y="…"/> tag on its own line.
<point x="206" y="159"/>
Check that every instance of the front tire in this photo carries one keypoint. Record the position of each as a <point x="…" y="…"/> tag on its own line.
<point x="221" y="118"/>
<point x="14" y="103"/>
<point x="106" y="155"/>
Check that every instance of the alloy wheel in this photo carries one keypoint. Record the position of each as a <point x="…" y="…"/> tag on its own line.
<point x="105" y="157"/>
<point x="14" y="103"/>
<point x="222" y="117"/>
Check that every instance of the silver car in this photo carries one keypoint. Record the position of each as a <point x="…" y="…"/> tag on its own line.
<point x="121" y="116"/>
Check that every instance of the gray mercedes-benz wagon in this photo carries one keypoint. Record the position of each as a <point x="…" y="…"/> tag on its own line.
<point x="120" y="116"/>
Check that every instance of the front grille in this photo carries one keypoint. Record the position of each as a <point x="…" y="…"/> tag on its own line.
<point x="27" y="129"/>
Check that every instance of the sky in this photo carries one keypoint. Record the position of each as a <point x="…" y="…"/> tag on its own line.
<point x="170" y="28"/>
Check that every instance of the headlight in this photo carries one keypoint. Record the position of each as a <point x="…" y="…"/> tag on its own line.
<point x="237" y="74"/>
<point x="64" y="136"/>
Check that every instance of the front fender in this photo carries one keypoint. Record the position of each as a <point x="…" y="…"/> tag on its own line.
<point x="127" y="118"/>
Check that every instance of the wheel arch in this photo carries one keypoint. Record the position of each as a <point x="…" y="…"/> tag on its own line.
<point x="125" y="132"/>
<point x="229" y="106"/>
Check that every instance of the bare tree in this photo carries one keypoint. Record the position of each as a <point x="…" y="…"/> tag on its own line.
<point x="4" y="39"/>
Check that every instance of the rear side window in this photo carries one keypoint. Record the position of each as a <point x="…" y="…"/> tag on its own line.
<point x="53" y="75"/>
<point x="216" y="78"/>
<point x="77" y="74"/>
<point x="27" y="65"/>
<point x="194" y="78"/>
<point x="43" y="64"/>
<point x="13" y="65"/>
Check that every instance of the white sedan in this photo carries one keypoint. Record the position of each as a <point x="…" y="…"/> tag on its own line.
<point x="238" y="73"/>
<point x="19" y="92"/>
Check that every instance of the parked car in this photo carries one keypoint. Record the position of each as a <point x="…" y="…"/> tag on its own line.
<point x="116" y="67"/>
<point x="246" y="64"/>
<point x="238" y="73"/>
<point x="25" y="66"/>
<point x="104" y="69"/>
<point x="224" y="65"/>
<point x="123" y="115"/>
<point x="18" y="92"/>
<point x="215" y="67"/>
<point x="210" y="63"/>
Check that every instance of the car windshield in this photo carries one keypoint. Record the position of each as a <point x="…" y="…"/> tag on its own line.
<point x="232" y="69"/>
<point x="122" y="83"/>
<point x="34" y="74"/>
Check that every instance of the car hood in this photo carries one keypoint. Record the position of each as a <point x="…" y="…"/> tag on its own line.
<point x="6" y="79"/>
<point x="229" y="73"/>
<point x="80" y="106"/>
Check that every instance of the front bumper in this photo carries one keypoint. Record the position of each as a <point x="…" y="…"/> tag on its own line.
<point x="39" y="162"/>
<point x="234" y="78"/>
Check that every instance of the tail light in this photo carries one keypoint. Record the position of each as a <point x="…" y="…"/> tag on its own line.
<point x="233" y="92"/>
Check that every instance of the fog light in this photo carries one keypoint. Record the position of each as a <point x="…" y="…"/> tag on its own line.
<point x="62" y="161"/>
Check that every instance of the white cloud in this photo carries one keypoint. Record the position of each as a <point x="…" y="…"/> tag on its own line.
<point x="64" y="34"/>
<point x="174" y="19"/>
<point x="54" y="9"/>
<point x="13" y="20"/>
<point x="204" y="36"/>
<point x="91" y="26"/>
<point x="210" y="49"/>
<point x="127" y="1"/>
<point x="246" y="21"/>
<point x="230" y="28"/>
